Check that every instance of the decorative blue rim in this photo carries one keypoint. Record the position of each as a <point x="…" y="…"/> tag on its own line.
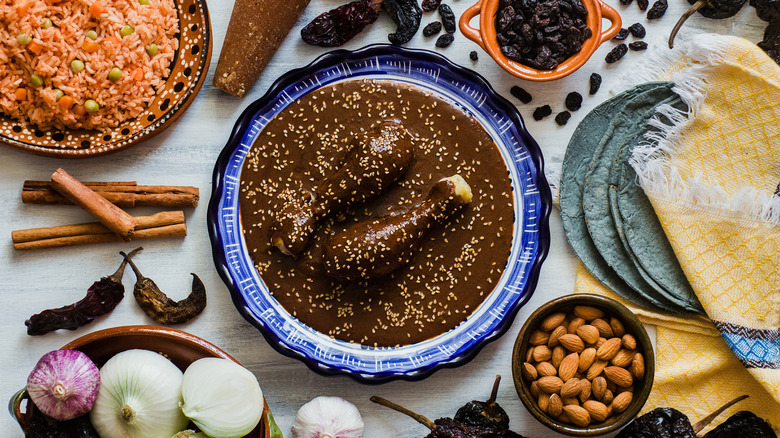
<point x="492" y="319"/>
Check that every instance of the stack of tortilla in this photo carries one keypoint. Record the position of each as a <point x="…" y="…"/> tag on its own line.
<point x="608" y="219"/>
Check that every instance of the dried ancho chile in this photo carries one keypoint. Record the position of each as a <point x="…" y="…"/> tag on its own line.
<point x="638" y="45"/>
<point x="406" y="15"/>
<point x="430" y="5"/>
<point x="771" y="43"/>
<point x="768" y="10"/>
<point x="621" y="35"/>
<point x="444" y="40"/>
<point x="541" y="34"/>
<point x="339" y="25"/>
<point x="716" y="9"/>
<point x="743" y="424"/>
<point x="432" y="28"/>
<point x="102" y="297"/>
<point x="521" y="94"/>
<point x="637" y="30"/>
<point x="41" y="426"/>
<point x="657" y="10"/>
<point x="595" y="83"/>
<point x="484" y="413"/>
<point x="562" y="118"/>
<point x="162" y="309"/>
<point x="573" y="101"/>
<point x="616" y="54"/>
<point x="447" y="18"/>
<point x="542" y="112"/>
<point x="473" y="55"/>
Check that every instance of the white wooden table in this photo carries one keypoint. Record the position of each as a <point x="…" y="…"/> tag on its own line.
<point x="185" y="155"/>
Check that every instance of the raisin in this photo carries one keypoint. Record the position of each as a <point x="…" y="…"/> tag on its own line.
<point x="406" y="14"/>
<point x="521" y="94"/>
<point x="432" y="29"/>
<point x="637" y="30"/>
<point x="657" y="10"/>
<point x="337" y="26"/>
<point x="595" y="83"/>
<point x="574" y="101"/>
<point x="473" y="55"/>
<point x="638" y="45"/>
<point x="447" y="18"/>
<point x="642" y="4"/>
<point x="626" y="2"/>
<point x="430" y="5"/>
<point x="621" y="35"/>
<point x="542" y="112"/>
<point x="616" y="54"/>
<point x="444" y="40"/>
<point x="562" y="118"/>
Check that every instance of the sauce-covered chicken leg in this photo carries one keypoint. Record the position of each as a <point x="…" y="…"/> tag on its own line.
<point x="369" y="168"/>
<point x="377" y="247"/>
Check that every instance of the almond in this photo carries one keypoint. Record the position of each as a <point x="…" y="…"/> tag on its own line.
<point x="629" y="342"/>
<point x="538" y="337"/>
<point x="596" y="369"/>
<point x="568" y="366"/>
<point x="577" y="414"/>
<point x="588" y="313"/>
<point x="599" y="387"/>
<point x="585" y="389"/>
<point x="588" y="333"/>
<point x="570" y="401"/>
<point x="556" y="333"/>
<point x="534" y="389"/>
<point x="600" y="342"/>
<point x="587" y="357"/>
<point x="574" y="325"/>
<point x="597" y="410"/>
<point x="529" y="372"/>
<point x="552" y="321"/>
<point x="543" y="401"/>
<point x="571" y="388"/>
<point x="572" y="343"/>
<point x="546" y="369"/>
<point x="603" y="327"/>
<point x="555" y="405"/>
<point x="621" y="401"/>
<point x="638" y="366"/>
<point x="608" y="397"/>
<point x="542" y="353"/>
<point x="529" y="356"/>
<point x="550" y="384"/>
<point x="558" y="354"/>
<point x="617" y="327"/>
<point x="623" y="358"/>
<point x="609" y="349"/>
<point x="621" y="376"/>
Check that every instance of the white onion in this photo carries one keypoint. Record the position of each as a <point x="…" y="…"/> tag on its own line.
<point x="139" y="397"/>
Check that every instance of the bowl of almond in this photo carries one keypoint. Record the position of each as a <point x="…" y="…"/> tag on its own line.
<point x="583" y="365"/>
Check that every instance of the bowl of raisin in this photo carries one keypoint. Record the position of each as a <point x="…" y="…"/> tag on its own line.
<point x="540" y="40"/>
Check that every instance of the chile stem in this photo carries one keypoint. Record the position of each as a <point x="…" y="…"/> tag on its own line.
<point x="494" y="392"/>
<point x="701" y="424"/>
<point x="420" y="418"/>
<point x="120" y="272"/>
<point x="692" y="10"/>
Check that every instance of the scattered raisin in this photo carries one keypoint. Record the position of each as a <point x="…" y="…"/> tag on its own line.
<point x="430" y="5"/>
<point x="595" y="83"/>
<point x="562" y="118"/>
<point x="616" y="54"/>
<point x="432" y="29"/>
<point x="406" y="14"/>
<point x="542" y="112"/>
<point x="337" y="26"/>
<point x="621" y="35"/>
<point x="444" y="40"/>
<point x="521" y="94"/>
<point x="626" y="2"/>
<point x="574" y="101"/>
<point x="657" y="10"/>
<point x="637" y="30"/>
<point x="447" y="18"/>
<point x="638" y="45"/>
<point x="473" y="55"/>
<point x="642" y="4"/>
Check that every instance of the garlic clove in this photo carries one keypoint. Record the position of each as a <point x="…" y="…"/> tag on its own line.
<point x="328" y="417"/>
<point x="64" y="384"/>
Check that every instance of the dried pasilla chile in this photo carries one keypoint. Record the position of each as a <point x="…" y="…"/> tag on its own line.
<point x="657" y="10"/>
<point x="447" y="18"/>
<point x="743" y="424"/>
<point x="484" y="413"/>
<point x="768" y="10"/>
<point x="430" y="5"/>
<point x="162" y="309"/>
<point x="407" y="16"/>
<point x="716" y="9"/>
<point x="339" y="25"/>
<point x="432" y="28"/>
<point x="616" y="54"/>
<point x="102" y="297"/>
<point x="771" y="43"/>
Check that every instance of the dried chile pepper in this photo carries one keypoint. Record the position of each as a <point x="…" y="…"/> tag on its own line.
<point x="768" y="10"/>
<point x="430" y="5"/>
<point x="41" y="426"/>
<point x="407" y="16"/>
<point x="447" y="18"/>
<point x="657" y="10"/>
<point x="743" y="424"/>
<point x="716" y="9"/>
<point x="102" y="297"/>
<point x="162" y="309"/>
<point x="771" y="43"/>
<point x="432" y="28"/>
<point x="616" y="54"/>
<point x="484" y="413"/>
<point x="337" y="26"/>
<point x="595" y="83"/>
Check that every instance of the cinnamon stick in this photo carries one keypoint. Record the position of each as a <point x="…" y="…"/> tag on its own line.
<point x="119" y="193"/>
<point x="157" y="226"/>
<point x="113" y="217"/>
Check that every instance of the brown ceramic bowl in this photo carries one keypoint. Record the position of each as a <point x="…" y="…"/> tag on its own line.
<point x="632" y="325"/>
<point x="188" y="71"/>
<point x="485" y="36"/>
<point x="180" y="347"/>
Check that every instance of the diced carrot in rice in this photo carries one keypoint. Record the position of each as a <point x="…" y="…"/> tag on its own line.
<point x="20" y="94"/>
<point x="138" y="74"/>
<point x="35" y="47"/>
<point x="79" y="109"/>
<point x="96" y="8"/>
<point x="22" y="7"/>
<point x="90" y="46"/>
<point x="66" y="102"/>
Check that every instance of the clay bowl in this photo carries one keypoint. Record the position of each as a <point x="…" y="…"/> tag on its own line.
<point x="632" y="325"/>
<point x="188" y="72"/>
<point x="180" y="347"/>
<point x="485" y="36"/>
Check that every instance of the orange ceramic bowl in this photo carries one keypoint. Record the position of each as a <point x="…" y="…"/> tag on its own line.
<point x="485" y="36"/>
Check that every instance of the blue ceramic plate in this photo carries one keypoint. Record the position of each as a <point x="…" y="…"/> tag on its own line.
<point x="532" y="202"/>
